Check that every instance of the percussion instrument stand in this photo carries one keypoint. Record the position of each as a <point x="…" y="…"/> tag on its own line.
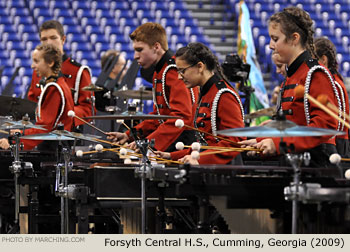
<point x="61" y="188"/>
<point x="144" y="172"/>
<point x="295" y="160"/>
<point x="93" y="104"/>
<point x="16" y="170"/>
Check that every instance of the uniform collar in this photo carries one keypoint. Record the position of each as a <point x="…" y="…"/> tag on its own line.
<point x="297" y="63"/>
<point x="54" y="78"/>
<point x="166" y="56"/>
<point x="214" y="79"/>
<point x="65" y="57"/>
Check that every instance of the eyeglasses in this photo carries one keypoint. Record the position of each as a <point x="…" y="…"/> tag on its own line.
<point x="183" y="70"/>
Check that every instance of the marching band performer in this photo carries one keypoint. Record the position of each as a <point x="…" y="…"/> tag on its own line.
<point x="280" y="69"/>
<point x="103" y="98"/>
<point x="54" y="101"/>
<point x="291" y="36"/>
<point x="75" y="75"/>
<point x="170" y="95"/>
<point x="219" y="106"/>
<point x="326" y="52"/>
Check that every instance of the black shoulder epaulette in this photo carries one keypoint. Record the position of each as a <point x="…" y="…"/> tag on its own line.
<point x="60" y="74"/>
<point x="74" y="62"/>
<point x="220" y="85"/>
<point x="171" y="61"/>
<point x="311" y="62"/>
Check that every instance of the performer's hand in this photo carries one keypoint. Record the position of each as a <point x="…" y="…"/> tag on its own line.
<point x="188" y="160"/>
<point x="118" y="137"/>
<point x="267" y="146"/>
<point x="133" y="146"/>
<point x="4" y="143"/>
<point x="164" y="155"/>
<point x="249" y="143"/>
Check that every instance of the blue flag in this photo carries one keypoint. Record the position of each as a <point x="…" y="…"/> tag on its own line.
<point x="246" y="50"/>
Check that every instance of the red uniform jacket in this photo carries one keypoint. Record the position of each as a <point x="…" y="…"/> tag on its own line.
<point x="77" y="77"/>
<point x="53" y="105"/>
<point x="294" y="107"/>
<point x="177" y="97"/>
<point x="228" y="115"/>
<point x="342" y="140"/>
<point x="345" y="100"/>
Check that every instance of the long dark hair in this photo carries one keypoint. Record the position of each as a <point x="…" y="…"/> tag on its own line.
<point x="325" y="47"/>
<point x="198" y="52"/>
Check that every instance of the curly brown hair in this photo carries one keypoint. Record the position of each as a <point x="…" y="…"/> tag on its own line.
<point x="294" y="19"/>
<point x="51" y="54"/>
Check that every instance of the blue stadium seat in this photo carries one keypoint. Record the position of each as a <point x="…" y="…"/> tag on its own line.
<point x="77" y="37"/>
<point x="4" y="19"/>
<point x="88" y="55"/>
<point x="62" y="13"/>
<point x="68" y="21"/>
<point x="8" y="29"/>
<point x="42" y="4"/>
<point x="63" y="4"/>
<point x="72" y="29"/>
<point x="11" y="36"/>
<point x="100" y="5"/>
<point x="34" y="37"/>
<point x="30" y="29"/>
<point x="116" y="18"/>
<point x="79" y="5"/>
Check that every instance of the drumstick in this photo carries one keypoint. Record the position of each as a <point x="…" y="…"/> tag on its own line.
<point x="222" y="151"/>
<point x="335" y="158"/>
<point x="324" y="100"/>
<point x="4" y="132"/>
<point x="180" y="123"/>
<point x="222" y="148"/>
<point x="107" y="142"/>
<point x="79" y="154"/>
<point x="71" y="113"/>
<point x="196" y="146"/>
<point x="299" y="92"/>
